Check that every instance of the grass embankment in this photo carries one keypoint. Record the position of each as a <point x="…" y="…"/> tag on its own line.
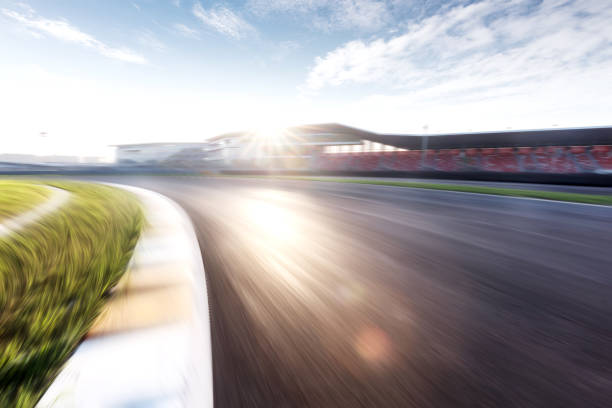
<point x="54" y="279"/>
<point x="541" y="194"/>
<point x="17" y="197"/>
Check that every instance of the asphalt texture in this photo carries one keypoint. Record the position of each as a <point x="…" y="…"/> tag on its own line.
<point x="344" y="295"/>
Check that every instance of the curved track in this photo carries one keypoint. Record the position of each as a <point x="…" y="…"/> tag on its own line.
<point x="330" y="294"/>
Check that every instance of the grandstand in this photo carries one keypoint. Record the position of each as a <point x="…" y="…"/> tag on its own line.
<point x="580" y="155"/>
<point x="333" y="148"/>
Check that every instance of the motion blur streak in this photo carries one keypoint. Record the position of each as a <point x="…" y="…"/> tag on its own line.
<point x="332" y="294"/>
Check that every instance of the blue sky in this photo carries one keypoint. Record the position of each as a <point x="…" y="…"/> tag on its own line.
<point x="93" y="73"/>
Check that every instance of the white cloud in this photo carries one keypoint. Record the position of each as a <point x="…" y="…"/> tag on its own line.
<point x="185" y="31"/>
<point x="223" y="20"/>
<point x="148" y="39"/>
<point x="263" y="7"/>
<point x="26" y="7"/>
<point x="63" y="30"/>
<point x="360" y="14"/>
<point x="513" y="55"/>
<point x="330" y="15"/>
<point x="481" y="45"/>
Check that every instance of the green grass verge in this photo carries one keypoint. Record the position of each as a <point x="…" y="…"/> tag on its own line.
<point x="54" y="279"/>
<point x="545" y="195"/>
<point x="17" y="197"/>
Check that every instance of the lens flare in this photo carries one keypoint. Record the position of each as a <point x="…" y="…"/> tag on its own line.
<point x="373" y="345"/>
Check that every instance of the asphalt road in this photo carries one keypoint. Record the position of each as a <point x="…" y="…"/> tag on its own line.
<point x="345" y="295"/>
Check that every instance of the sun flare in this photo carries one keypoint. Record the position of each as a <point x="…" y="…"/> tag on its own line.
<point x="270" y="134"/>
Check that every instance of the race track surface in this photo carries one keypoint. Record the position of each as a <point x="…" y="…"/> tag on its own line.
<point x="345" y="295"/>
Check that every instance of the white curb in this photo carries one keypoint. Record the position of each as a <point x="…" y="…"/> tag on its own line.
<point x="159" y="358"/>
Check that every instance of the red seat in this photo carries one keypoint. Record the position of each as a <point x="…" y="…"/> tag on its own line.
<point x="430" y="160"/>
<point x="408" y="160"/>
<point x="603" y="156"/>
<point x="335" y="161"/>
<point x="365" y="161"/>
<point x="526" y="157"/>
<point x="448" y="160"/>
<point x="548" y="159"/>
<point x="554" y="159"/>
<point x="561" y="161"/>
<point x="387" y="160"/>
<point x="582" y="157"/>
<point x="472" y="159"/>
<point x="501" y="159"/>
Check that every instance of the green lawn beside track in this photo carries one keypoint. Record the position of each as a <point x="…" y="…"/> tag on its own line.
<point x="17" y="197"/>
<point x="511" y="192"/>
<point x="55" y="276"/>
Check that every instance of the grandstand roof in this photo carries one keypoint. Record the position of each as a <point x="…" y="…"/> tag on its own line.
<point x="316" y="133"/>
<point x="331" y="133"/>
<point x="514" y="138"/>
<point x="158" y="144"/>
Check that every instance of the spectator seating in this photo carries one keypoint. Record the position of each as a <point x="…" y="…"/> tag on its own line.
<point x="448" y="160"/>
<point x="409" y="160"/>
<point x="365" y="161"/>
<point x="335" y="162"/>
<point x="501" y="159"/>
<point x="554" y="159"/>
<point x="430" y="160"/>
<point x="387" y="160"/>
<point x="562" y="161"/>
<point x="543" y="159"/>
<point x="583" y="158"/>
<point x="472" y="160"/>
<point x="526" y="159"/>
<point x="603" y="156"/>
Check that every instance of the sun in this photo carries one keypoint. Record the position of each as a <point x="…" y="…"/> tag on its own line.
<point x="270" y="134"/>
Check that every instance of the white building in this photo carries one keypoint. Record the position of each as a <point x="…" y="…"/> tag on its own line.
<point x="294" y="148"/>
<point x="154" y="153"/>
